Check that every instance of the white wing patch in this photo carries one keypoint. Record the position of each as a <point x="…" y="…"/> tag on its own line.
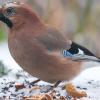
<point x="80" y="52"/>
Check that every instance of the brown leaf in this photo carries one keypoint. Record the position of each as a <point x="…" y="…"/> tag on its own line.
<point x="62" y="98"/>
<point x="19" y="86"/>
<point x="72" y="91"/>
<point x="39" y="97"/>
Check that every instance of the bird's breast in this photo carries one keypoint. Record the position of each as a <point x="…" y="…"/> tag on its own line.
<point x="32" y="57"/>
<point x="24" y="52"/>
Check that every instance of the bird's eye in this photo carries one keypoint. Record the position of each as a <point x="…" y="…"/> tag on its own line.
<point x="10" y="11"/>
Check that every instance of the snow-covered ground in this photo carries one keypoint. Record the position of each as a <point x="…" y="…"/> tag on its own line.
<point x="89" y="80"/>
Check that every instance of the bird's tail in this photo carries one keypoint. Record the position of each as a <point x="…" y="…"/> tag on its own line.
<point x="79" y="57"/>
<point x="87" y="61"/>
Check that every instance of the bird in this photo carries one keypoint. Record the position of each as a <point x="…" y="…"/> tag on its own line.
<point x="41" y="49"/>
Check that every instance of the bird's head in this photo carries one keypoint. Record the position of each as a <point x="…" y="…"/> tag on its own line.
<point x="14" y="14"/>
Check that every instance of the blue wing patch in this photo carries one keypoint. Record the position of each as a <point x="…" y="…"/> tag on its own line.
<point x="65" y="53"/>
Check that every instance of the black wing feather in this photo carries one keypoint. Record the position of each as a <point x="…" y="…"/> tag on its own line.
<point x="75" y="49"/>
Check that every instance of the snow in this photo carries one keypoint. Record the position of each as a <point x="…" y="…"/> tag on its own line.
<point x="89" y="80"/>
<point x="91" y="76"/>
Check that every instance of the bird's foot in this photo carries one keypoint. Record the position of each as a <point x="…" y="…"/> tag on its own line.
<point x="50" y="88"/>
<point x="36" y="81"/>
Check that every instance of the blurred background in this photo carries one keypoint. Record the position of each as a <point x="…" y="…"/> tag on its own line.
<point x="78" y="19"/>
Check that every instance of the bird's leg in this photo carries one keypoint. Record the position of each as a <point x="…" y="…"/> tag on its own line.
<point x="36" y="81"/>
<point x="52" y="87"/>
<point x="56" y="84"/>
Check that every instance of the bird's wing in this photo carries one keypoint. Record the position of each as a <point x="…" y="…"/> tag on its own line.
<point x="53" y="40"/>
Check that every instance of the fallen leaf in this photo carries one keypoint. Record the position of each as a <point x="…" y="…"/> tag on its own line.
<point x="19" y="86"/>
<point x="72" y="91"/>
<point x="39" y="97"/>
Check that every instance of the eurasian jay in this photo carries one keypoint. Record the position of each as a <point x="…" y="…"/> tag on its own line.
<point x="40" y="49"/>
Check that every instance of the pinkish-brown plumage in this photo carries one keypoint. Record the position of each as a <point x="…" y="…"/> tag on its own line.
<point x="36" y="47"/>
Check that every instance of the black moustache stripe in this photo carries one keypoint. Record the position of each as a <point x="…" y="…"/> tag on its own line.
<point x="6" y="20"/>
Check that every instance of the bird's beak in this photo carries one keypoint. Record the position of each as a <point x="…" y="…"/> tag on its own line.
<point x="1" y="15"/>
<point x="5" y="19"/>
